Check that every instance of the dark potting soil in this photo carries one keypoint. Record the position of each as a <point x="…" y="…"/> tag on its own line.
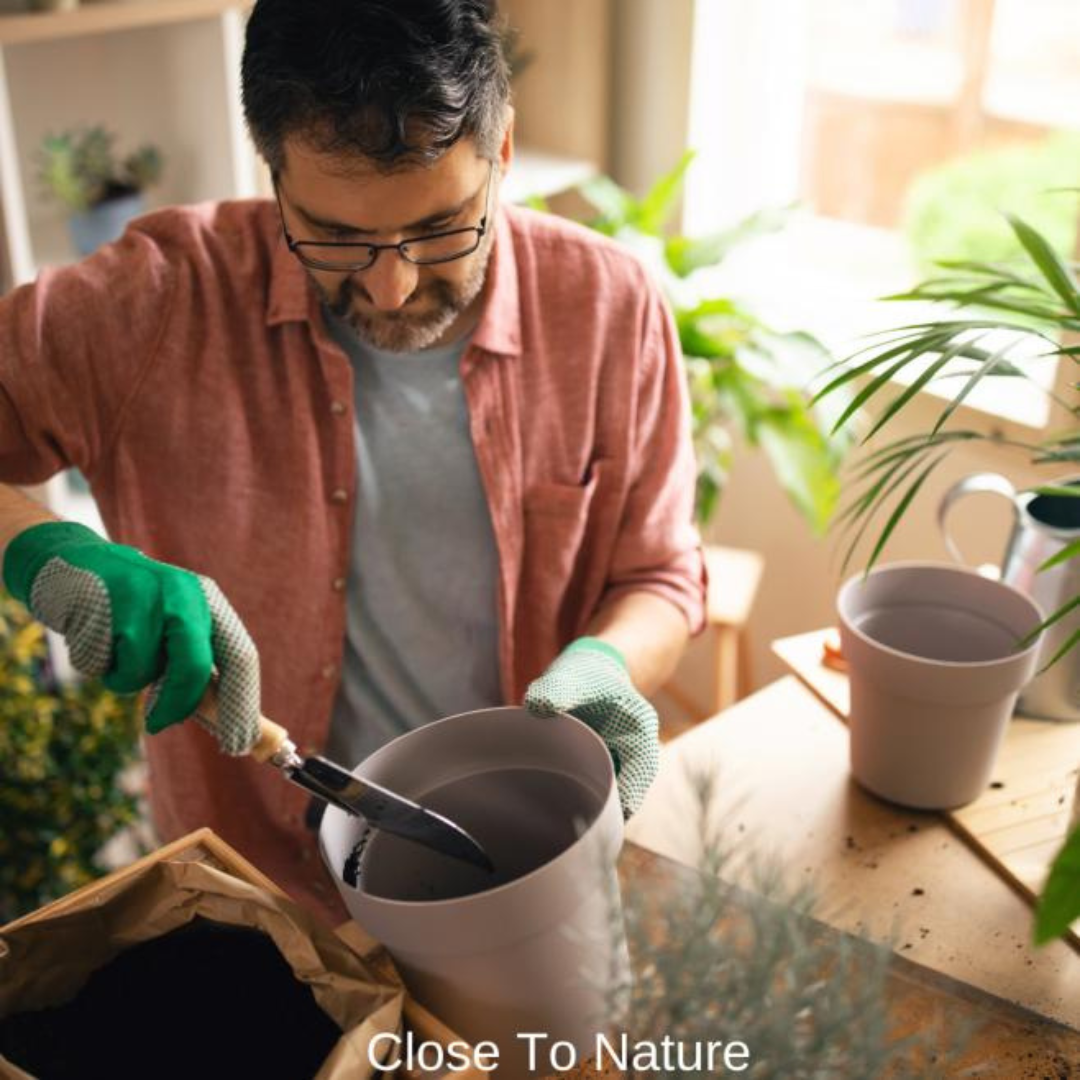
<point x="208" y="1000"/>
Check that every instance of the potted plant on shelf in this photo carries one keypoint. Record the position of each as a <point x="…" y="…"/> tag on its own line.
<point x="80" y="169"/>
<point x="1037" y="296"/>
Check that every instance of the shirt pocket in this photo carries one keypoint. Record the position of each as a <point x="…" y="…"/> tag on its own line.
<point x="556" y="557"/>
<point x="557" y="513"/>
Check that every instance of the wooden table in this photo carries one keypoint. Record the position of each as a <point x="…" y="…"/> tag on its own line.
<point x="782" y="762"/>
<point x="999" y="1038"/>
<point x="1019" y="823"/>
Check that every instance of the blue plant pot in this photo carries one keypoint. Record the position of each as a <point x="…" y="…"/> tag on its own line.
<point x="104" y="222"/>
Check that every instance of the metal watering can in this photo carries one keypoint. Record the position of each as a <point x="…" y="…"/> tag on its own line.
<point x="1043" y="525"/>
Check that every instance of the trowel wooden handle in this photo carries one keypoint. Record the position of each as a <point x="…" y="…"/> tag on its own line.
<point x="271" y="736"/>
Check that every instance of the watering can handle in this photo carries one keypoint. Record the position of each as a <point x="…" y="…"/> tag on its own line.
<point x="970" y="485"/>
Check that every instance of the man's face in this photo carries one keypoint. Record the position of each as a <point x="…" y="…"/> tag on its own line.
<point x="393" y="305"/>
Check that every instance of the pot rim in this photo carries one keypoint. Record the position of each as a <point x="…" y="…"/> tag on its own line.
<point x="915" y="564"/>
<point x="498" y="891"/>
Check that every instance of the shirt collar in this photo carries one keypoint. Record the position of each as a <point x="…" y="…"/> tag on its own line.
<point x="290" y="290"/>
<point x="499" y="329"/>
<point x="293" y="298"/>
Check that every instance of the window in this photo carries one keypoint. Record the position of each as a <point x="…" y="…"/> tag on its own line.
<point x="841" y="106"/>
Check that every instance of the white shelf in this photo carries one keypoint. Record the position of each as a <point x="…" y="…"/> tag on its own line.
<point x="159" y="71"/>
<point x="108" y="16"/>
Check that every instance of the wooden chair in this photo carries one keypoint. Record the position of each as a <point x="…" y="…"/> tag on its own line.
<point x="715" y="672"/>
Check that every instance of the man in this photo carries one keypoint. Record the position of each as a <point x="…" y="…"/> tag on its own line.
<point x="417" y="453"/>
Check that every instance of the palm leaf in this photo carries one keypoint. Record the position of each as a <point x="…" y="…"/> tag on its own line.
<point x="1069" y="551"/>
<point x="1057" y="616"/>
<point x="907" y="352"/>
<point x="880" y="501"/>
<point x="869" y="390"/>
<point x="1074" y="637"/>
<point x="980" y="373"/>
<point x="865" y="463"/>
<point x="1049" y="262"/>
<point x="917" y="384"/>
<point x="898" y="337"/>
<point x="901" y="509"/>
<point x="886" y="468"/>
<point x="1059" y="904"/>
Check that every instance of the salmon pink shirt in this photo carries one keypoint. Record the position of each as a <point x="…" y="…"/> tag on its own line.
<point x="188" y="372"/>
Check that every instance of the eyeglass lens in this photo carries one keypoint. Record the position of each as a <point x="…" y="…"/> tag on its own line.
<point x="423" y="250"/>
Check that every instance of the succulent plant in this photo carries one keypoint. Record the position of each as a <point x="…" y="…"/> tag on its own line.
<point x="80" y="168"/>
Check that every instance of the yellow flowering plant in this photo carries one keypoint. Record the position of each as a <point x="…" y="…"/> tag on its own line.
<point x="62" y="752"/>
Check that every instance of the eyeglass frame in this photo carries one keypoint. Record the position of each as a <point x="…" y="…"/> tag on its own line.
<point x="375" y="249"/>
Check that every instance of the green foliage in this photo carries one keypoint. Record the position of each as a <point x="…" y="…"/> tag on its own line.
<point x="1059" y="904"/>
<point x="743" y="376"/>
<point x="955" y="210"/>
<point x="1037" y="297"/>
<point x="715" y="961"/>
<point x="142" y="168"/>
<point x="62" y="753"/>
<point x="81" y="170"/>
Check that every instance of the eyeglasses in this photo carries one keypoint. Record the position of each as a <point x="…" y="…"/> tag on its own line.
<point x="347" y="257"/>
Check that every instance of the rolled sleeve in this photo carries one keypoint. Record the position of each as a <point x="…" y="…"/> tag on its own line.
<point x="658" y="548"/>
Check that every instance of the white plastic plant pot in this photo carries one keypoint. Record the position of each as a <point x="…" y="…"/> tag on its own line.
<point x="935" y="673"/>
<point x="535" y="947"/>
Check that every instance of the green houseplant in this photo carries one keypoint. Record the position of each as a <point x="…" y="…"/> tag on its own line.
<point x="64" y="750"/>
<point x="743" y="375"/>
<point x="81" y="170"/>
<point x="1038" y="295"/>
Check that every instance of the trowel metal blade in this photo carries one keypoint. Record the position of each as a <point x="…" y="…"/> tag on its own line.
<point x="388" y="811"/>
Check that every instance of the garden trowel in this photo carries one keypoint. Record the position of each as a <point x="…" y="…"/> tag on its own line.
<point x="383" y="809"/>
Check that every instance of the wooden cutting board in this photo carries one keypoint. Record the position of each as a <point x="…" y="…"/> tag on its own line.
<point x="1019" y="823"/>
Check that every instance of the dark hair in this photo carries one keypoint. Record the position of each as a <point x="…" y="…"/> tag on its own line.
<point x="394" y="81"/>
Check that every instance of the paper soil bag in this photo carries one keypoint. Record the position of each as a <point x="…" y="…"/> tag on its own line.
<point x="46" y="959"/>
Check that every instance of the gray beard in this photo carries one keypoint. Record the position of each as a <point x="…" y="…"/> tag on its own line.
<point x="401" y="331"/>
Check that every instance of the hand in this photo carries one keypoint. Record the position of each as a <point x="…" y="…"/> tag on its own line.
<point x="589" y="680"/>
<point x="138" y="622"/>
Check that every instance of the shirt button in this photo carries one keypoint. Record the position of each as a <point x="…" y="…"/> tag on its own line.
<point x="328" y="671"/>
<point x="337" y="407"/>
<point x="339" y="584"/>
<point x="339" y="495"/>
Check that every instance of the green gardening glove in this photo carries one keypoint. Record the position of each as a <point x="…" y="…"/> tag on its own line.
<point x="589" y="680"/>
<point x="138" y="623"/>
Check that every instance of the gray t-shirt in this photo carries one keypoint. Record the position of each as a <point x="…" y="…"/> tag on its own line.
<point x="421" y="623"/>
